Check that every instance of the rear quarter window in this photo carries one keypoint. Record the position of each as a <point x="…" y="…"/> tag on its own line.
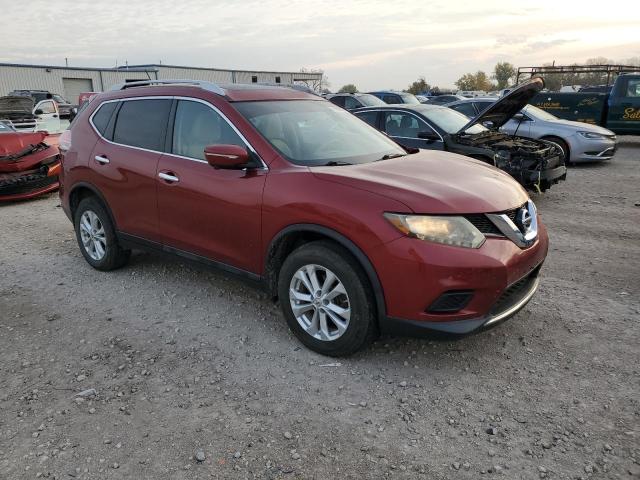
<point x="102" y="116"/>
<point x="142" y="123"/>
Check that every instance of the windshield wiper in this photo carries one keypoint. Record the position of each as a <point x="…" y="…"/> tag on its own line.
<point x="389" y="156"/>
<point x="336" y="163"/>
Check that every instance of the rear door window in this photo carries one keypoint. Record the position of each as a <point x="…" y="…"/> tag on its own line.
<point x="142" y="123"/>
<point x="102" y="116"/>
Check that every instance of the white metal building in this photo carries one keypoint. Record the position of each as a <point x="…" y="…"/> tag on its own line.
<point x="71" y="81"/>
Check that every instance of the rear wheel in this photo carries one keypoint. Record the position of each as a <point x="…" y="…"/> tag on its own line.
<point x="326" y="299"/>
<point x="97" y="237"/>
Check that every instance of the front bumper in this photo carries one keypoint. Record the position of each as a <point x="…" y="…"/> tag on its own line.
<point x="514" y="299"/>
<point x="414" y="274"/>
<point x="594" y="151"/>
<point x="30" y="185"/>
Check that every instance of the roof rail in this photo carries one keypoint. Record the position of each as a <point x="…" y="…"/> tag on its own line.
<point x="212" y="87"/>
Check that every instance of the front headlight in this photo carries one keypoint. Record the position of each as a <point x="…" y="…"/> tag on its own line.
<point x="456" y="231"/>
<point x="591" y="135"/>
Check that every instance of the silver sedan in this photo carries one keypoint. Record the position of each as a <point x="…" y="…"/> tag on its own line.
<point x="581" y="142"/>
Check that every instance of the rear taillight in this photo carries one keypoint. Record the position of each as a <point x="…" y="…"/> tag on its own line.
<point x="64" y="142"/>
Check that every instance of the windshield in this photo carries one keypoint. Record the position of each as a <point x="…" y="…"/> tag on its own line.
<point x="451" y="121"/>
<point x="410" y="99"/>
<point x="370" y="100"/>
<point x="538" y="113"/>
<point x="312" y="133"/>
<point x="59" y="99"/>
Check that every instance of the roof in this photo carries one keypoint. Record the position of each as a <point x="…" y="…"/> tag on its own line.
<point x="153" y="67"/>
<point x="235" y="92"/>
<point x="62" y="67"/>
<point x="239" y="92"/>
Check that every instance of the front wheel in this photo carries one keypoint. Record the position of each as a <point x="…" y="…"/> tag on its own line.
<point x="326" y="299"/>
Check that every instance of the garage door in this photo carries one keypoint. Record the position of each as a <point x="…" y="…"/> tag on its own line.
<point x="73" y="87"/>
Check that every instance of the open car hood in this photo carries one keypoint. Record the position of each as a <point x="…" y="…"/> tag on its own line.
<point x="16" y="104"/>
<point x="501" y="111"/>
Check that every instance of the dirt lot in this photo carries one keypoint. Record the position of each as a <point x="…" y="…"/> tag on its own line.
<point x="187" y="362"/>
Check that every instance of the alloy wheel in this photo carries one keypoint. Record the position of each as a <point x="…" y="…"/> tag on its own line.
<point x="94" y="239"/>
<point x="319" y="302"/>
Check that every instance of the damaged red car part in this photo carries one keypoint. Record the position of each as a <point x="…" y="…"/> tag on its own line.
<point x="29" y="164"/>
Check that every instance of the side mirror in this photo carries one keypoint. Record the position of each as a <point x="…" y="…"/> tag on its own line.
<point x="433" y="136"/>
<point x="38" y="112"/>
<point x="226" y="156"/>
<point x="519" y="117"/>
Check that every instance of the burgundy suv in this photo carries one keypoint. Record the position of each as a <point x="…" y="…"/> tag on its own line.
<point x="354" y="234"/>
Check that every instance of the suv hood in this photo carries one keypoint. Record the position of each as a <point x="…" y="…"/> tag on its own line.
<point x="16" y="104"/>
<point x="501" y="111"/>
<point x="433" y="182"/>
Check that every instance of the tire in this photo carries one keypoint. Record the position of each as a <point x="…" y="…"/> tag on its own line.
<point x="326" y="337"/>
<point x="99" y="246"/>
<point x="563" y="145"/>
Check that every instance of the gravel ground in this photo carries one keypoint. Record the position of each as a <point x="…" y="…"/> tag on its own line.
<point x="196" y="375"/>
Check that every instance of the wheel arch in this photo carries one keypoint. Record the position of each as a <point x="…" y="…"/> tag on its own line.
<point x="83" y="190"/>
<point x="564" y="144"/>
<point x="289" y="238"/>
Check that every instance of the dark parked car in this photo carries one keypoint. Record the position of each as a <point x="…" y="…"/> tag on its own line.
<point x="352" y="101"/>
<point x="393" y="97"/>
<point x="287" y="189"/>
<point x="536" y="164"/>
<point x="65" y="108"/>
<point x="444" y="99"/>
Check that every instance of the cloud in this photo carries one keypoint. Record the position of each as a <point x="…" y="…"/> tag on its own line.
<point x="372" y="43"/>
<point x="546" y="44"/>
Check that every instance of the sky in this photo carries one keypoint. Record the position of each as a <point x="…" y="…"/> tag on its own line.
<point x="373" y="44"/>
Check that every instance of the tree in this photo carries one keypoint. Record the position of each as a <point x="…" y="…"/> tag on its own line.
<point x="315" y="85"/>
<point x="504" y="73"/>
<point x="348" y="88"/>
<point x="419" y="86"/>
<point x="474" y="81"/>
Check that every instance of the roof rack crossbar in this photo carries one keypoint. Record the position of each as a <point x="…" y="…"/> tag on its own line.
<point x="212" y="87"/>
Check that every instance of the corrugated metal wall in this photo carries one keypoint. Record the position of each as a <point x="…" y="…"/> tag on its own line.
<point x="215" y="76"/>
<point x="50" y="78"/>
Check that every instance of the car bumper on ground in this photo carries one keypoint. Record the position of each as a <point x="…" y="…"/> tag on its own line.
<point x="23" y="187"/>
<point x="491" y="283"/>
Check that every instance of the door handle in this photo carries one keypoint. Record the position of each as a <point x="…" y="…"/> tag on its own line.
<point x="55" y="115"/>
<point x="101" y="159"/>
<point x="168" y="177"/>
